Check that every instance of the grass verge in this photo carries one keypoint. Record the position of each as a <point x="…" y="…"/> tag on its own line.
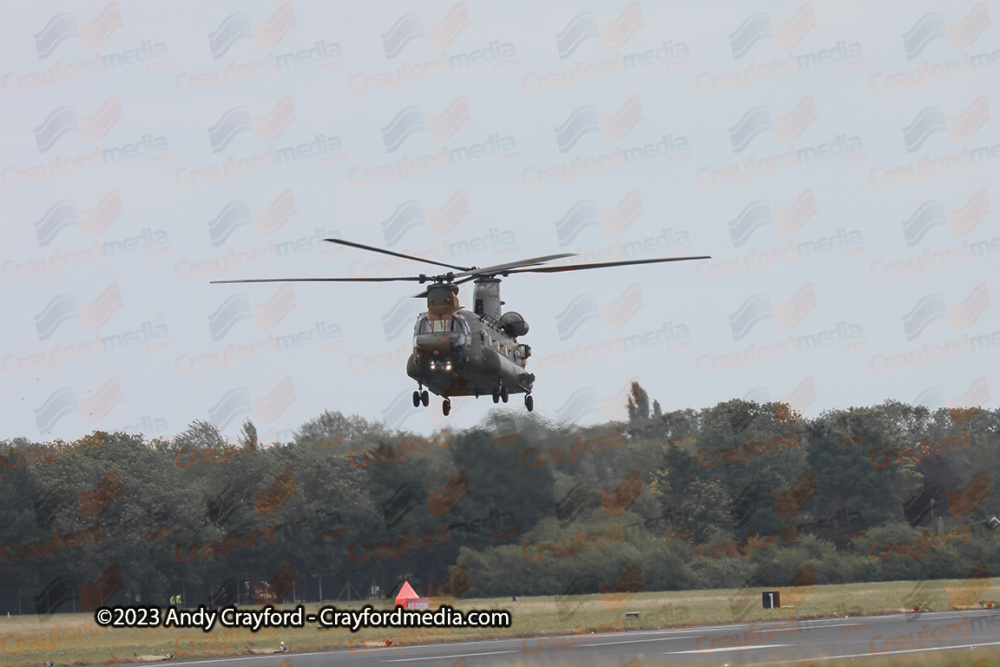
<point x="75" y="639"/>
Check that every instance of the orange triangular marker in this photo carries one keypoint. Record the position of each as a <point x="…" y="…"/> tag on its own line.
<point x="405" y="593"/>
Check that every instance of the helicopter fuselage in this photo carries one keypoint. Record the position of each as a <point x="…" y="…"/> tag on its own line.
<point x="467" y="355"/>
<point x="461" y="353"/>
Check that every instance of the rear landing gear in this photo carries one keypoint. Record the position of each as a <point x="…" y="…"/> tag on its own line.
<point x="529" y="402"/>
<point x="496" y="395"/>
<point x="503" y="394"/>
<point x="446" y="406"/>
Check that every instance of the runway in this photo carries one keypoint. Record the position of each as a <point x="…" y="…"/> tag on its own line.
<point x="791" y="642"/>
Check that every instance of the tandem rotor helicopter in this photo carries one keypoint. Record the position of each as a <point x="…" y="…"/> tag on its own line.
<point x="457" y="352"/>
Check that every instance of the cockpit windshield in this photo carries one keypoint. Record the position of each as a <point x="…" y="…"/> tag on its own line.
<point x="427" y="325"/>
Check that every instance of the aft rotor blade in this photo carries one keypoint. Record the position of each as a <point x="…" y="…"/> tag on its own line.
<point x="502" y="268"/>
<point x="325" y="280"/>
<point x="603" y="265"/>
<point x="396" y="254"/>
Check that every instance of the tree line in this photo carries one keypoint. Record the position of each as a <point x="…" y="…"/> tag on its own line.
<point x="739" y="494"/>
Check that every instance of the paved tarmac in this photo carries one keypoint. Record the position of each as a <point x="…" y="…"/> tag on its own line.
<point x="789" y="642"/>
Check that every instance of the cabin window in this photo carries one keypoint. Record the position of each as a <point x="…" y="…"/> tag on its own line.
<point x="427" y="325"/>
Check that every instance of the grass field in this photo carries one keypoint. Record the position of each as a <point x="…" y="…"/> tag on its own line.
<point x="75" y="639"/>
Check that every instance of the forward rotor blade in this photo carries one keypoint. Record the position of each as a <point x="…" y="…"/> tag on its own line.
<point x="603" y="265"/>
<point x="324" y="280"/>
<point x="396" y="254"/>
<point x="502" y="268"/>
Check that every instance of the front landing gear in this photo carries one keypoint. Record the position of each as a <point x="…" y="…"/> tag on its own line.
<point x="446" y="406"/>
<point x="421" y="397"/>
<point x="529" y="402"/>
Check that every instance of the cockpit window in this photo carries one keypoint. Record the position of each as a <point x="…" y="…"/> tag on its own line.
<point x="427" y="325"/>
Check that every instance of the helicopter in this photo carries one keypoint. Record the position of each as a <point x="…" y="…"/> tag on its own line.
<point x="457" y="352"/>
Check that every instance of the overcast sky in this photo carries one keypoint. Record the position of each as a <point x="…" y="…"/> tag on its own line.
<point x="837" y="161"/>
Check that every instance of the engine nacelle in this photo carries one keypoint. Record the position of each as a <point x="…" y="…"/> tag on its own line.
<point x="514" y="324"/>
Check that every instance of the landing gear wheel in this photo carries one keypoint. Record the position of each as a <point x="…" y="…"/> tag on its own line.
<point x="416" y="399"/>
<point x="496" y="395"/>
<point x="446" y="407"/>
<point x="425" y="398"/>
<point x="529" y="402"/>
<point x="503" y="394"/>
